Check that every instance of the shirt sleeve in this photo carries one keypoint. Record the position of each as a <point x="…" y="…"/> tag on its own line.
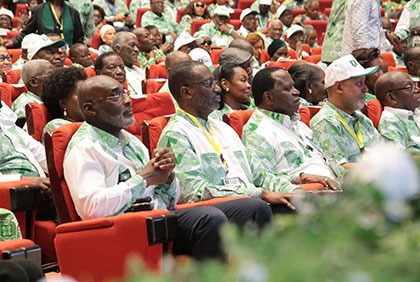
<point x="195" y="185"/>
<point x="395" y="131"/>
<point x="87" y="172"/>
<point x="402" y="30"/>
<point x="359" y="11"/>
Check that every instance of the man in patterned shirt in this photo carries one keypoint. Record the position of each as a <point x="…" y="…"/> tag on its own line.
<point x="400" y="119"/>
<point x="276" y="141"/>
<point x="211" y="159"/>
<point x="343" y="132"/>
<point x="116" y="12"/>
<point x="110" y="169"/>
<point x="162" y="20"/>
<point x="33" y="75"/>
<point x="147" y="55"/>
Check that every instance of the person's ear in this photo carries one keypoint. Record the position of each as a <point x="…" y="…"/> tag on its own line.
<point x="224" y="84"/>
<point x="88" y="109"/>
<point x="339" y="86"/>
<point x="391" y="98"/>
<point x="267" y="97"/>
<point x="186" y="92"/>
<point x="33" y="81"/>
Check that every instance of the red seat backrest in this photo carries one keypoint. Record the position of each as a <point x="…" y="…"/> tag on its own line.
<point x="296" y="12"/>
<point x="96" y="40"/>
<point x="237" y="120"/>
<point x="196" y="24"/>
<point x="179" y="13"/>
<point x="313" y="58"/>
<point x="283" y="64"/>
<point x="12" y="34"/>
<point x="243" y="4"/>
<point x="36" y="118"/>
<point x="156" y="71"/>
<point x="374" y="110"/>
<point x="6" y="94"/>
<point x="319" y="25"/>
<point x="139" y="15"/>
<point x="150" y="86"/>
<point x="264" y="57"/>
<point x="215" y="55"/>
<point x="316" y="50"/>
<point x="236" y="14"/>
<point x="15" y="54"/>
<point x="306" y="113"/>
<point x="324" y="4"/>
<point x="13" y="76"/>
<point x="151" y="131"/>
<point x="55" y="146"/>
<point x="236" y="23"/>
<point x="90" y="72"/>
<point x="153" y="105"/>
<point x="389" y="59"/>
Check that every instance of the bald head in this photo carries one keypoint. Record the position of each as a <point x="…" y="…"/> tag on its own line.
<point x="412" y="60"/>
<point x="242" y="44"/>
<point x="144" y="38"/>
<point x="397" y="90"/>
<point x="275" y="29"/>
<point x="174" y="58"/>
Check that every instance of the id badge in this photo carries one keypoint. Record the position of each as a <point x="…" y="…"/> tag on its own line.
<point x="233" y="182"/>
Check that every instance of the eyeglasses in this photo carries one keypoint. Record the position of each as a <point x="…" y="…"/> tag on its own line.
<point x="209" y="83"/>
<point x="199" y="5"/>
<point x="208" y="42"/>
<point x="118" y="95"/>
<point x="409" y="87"/>
<point x="5" y="57"/>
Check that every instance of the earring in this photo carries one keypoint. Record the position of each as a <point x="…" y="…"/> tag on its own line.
<point x="227" y="89"/>
<point x="65" y="112"/>
<point x="310" y="91"/>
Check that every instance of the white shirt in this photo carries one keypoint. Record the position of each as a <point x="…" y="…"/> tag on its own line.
<point x="135" y="76"/>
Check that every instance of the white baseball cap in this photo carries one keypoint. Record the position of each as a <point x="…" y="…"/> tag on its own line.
<point x="281" y="10"/>
<point x="246" y="12"/>
<point x="344" y="68"/>
<point x="28" y="40"/>
<point x="40" y="42"/>
<point x="266" y="2"/>
<point x="201" y="55"/>
<point x="223" y="11"/>
<point x="293" y="29"/>
<point x="4" y="11"/>
<point x="185" y="38"/>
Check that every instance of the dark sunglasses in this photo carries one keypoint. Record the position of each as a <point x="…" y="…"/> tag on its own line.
<point x="208" y="42"/>
<point x="199" y="5"/>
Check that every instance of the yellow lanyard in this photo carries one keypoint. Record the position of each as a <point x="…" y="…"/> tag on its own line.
<point x="60" y="23"/>
<point x="209" y="137"/>
<point x="358" y="137"/>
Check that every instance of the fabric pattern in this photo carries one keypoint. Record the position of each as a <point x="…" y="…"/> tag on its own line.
<point x="145" y="61"/>
<point x="135" y="76"/>
<point x="401" y="127"/>
<point x="53" y="125"/>
<point x="199" y="168"/>
<point x="218" y="38"/>
<point x="301" y="18"/>
<point x="19" y="104"/>
<point x="165" y="23"/>
<point x="115" y="164"/>
<point x="118" y="8"/>
<point x="335" y="141"/>
<point x="85" y="9"/>
<point x="409" y="18"/>
<point x="9" y="227"/>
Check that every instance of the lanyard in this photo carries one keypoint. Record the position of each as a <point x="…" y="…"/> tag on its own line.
<point x="209" y="137"/>
<point x="60" y="23"/>
<point x="358" y="137"/>
<point x="111" y="7"/>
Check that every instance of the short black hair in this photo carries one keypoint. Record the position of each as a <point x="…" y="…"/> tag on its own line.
<point x="99" y="62"/>
<point x="74" y="47"/>
<point x="263" y="81"/>
<point x="302" y="74"/>
<point x="58" y="86"/>
<point x="101" y="11"/>
<point x="365" y="56"/>
<point x="181" y="76"/>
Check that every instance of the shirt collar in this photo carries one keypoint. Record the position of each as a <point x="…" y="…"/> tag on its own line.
<point x="7" y="116"/>
<point x="112" y="141"/>
<point x="401" y="112"/>
<point x="348" y="118"/>
<point x="284" y="120"/>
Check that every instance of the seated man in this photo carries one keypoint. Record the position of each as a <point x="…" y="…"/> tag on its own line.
<point x="220" y="32"/>
<point x="248" y="22"/>
<point x="147" y="54"/>
<point x="107" y="169"/>
<point x="116" y="13"/>
<point x="23" y="158"/>
<point x="412" y="62"/>
<point x="33" y="75"/>
<point x="400" y="119"/>
<point x="162" y="20"/>
<point x="125" y="45"/>
<point x="80" y="55"/>
<point x="274" y="31"/>
<point x="276" y="141"/>
<point x="343" y="132"/>
<point x="173" y="59"/>
<point x="112" y="65"/>
<point x="44" y="48"/>
<point x="211" y="160"/>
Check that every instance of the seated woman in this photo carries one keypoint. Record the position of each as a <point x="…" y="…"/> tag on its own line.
<point x="257" y="43"/>
<point x="309" y="80"/>
<point x="195" y="10"/>
<point x="98" y="17"/>
<point x="277" y="50"/>
<point x="59" y="94"/>
<point x="370" y="57"/>
<point x="311" y="13"/>
<point x="107" y="35"/>
<point x="235" y="90"/>
<point x="5" y="63"/>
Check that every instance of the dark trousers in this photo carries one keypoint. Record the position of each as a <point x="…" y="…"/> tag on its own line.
<point x="198" y="228"/>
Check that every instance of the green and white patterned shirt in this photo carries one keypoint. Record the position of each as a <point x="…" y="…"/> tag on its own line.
<point x="218" y="114"/>
<point x="145" y="61"/>
<point x="102" y="172"/>
<point x="85" y="9"/>
<point x="9" y="227"/>
<point x="20" y="154"/>
<point x="199" y="168"/>
<point x="331" y="47"/>
<point x="335" y="141"/>
<point x="19" y="104"/>
<point x="219" y="39"/>
<point x="281" y="145"/>
<point x="409" y="18"/>
<point x="53" y="125"/>
<point x="118" y="8"/>
<point x="165" y="23"/>
<point x="401" y="127"/>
